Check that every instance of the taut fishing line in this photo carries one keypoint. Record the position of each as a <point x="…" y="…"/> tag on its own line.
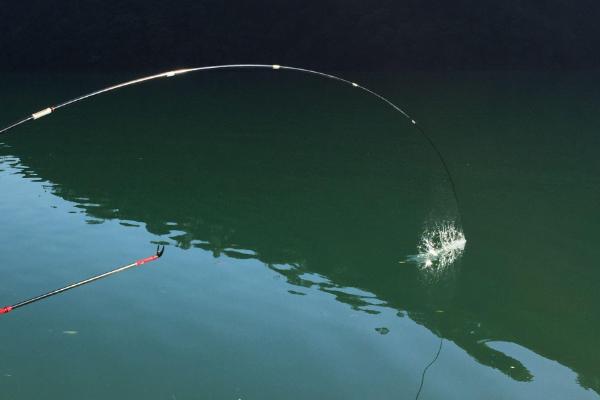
<point x="437" y="354"/>
<point x="51" y="109"/>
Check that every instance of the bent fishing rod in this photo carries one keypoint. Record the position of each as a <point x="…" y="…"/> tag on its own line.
<point x="168" y="74"/>
<point x="159" y="253"/>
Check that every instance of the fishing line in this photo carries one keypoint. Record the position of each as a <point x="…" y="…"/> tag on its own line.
<point x="439" y="350"/>
<point x="51" y="109"/>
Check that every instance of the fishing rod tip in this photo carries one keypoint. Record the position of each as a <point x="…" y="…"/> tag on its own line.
<point x="160" y="251"/>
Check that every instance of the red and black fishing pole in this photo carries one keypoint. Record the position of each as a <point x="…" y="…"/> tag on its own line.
<point x="159" y="253"/>
<point x="52" y="109"/>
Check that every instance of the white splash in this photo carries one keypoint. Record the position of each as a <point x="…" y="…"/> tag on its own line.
<point x="439" y="247"/>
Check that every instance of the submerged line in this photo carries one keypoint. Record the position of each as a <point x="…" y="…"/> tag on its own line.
<point x="427" y="367"/>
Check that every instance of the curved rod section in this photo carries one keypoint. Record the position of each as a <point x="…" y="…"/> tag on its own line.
<point x="169" y="74"/>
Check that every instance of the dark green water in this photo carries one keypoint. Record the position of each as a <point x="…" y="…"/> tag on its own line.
<point x="291" y="207"/>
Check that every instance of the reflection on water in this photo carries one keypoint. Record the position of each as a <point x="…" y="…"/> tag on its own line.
<point x="324" y="206"/>
<point x="460" y="329"/>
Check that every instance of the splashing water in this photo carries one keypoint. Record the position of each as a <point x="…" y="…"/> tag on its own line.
<point x="439" y="247"/>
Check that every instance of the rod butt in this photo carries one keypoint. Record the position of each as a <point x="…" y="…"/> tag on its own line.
<point x="6" y="310"/>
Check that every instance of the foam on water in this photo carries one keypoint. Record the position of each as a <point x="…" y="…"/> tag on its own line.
<point x="440" y="246"/>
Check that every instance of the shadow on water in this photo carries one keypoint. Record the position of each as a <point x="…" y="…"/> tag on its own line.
<point x="310" y="187"/>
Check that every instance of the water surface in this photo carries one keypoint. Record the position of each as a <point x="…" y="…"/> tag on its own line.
<point x="292" y="210"/>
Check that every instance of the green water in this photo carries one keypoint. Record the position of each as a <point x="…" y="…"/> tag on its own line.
<point x="290" y="208"/>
